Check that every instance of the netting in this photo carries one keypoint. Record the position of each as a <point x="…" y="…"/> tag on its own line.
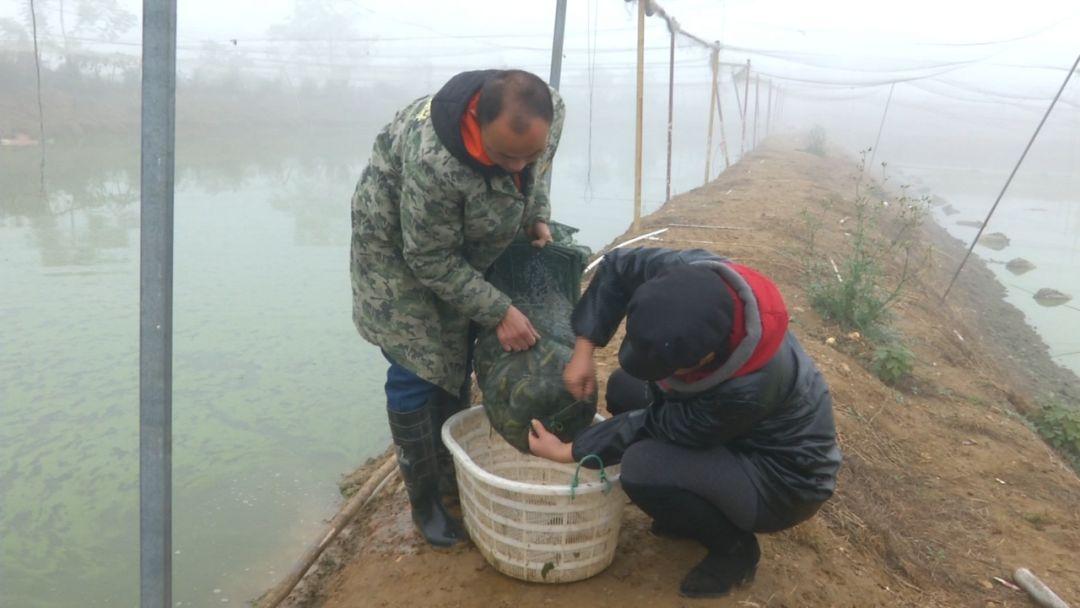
<point x="518" y="387"/>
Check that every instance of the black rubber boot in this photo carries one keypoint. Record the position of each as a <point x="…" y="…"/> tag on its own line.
<point x="733" y="553"/>
<point x="414" y="436"/>
<point x="724" y="568"/>
<point x="446" y="406"/>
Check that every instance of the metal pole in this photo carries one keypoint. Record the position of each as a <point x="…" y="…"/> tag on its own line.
<point x="873" y="151"/>
<point x="757" y="105"/>
<point x="640" y="110"/>
<point x="715" y="63"/>
<point x="155" y="303"/>
<point x="672" y="25"/>
<point x="556" y="59"/>
<point x="41" y="112"/>
<point x="557" y="44"/>
<point x="746" y="110"/>
<point x="1011" y="175"/>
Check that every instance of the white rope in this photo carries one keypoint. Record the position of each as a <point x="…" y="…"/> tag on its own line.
<point x="597" y="261"/>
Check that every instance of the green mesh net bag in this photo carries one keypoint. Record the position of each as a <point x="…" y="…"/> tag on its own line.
<point x="545" y="285"/>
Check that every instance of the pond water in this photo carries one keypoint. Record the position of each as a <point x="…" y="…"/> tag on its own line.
<point x="275" y="395"/>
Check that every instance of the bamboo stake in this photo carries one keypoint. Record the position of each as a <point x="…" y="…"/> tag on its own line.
<point x="768" y="112"/>
<point x="714" y="62"/>
<point x="735" y="85"/>
<point x="723" y="132"/>
<point x="282" y="590"/>
<point x="746" y="110"/>
<point x="757" y="106"/>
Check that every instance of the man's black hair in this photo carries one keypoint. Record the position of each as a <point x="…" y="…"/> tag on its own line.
<point x="523" y="93"/>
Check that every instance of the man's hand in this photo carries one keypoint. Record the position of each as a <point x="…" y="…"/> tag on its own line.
<point x="580" y="373"/>
<point x="546" y="445"/>
<point x="540" y="234"/>
<point x="515" y="332"/>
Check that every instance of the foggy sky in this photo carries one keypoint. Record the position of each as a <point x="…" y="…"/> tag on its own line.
<point x="842" y="47"/>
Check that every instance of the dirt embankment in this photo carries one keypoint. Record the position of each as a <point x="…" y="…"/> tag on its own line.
<point x="943" y="486"/>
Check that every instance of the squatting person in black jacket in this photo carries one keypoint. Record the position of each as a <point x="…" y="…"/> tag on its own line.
<point x="723" y="425"/>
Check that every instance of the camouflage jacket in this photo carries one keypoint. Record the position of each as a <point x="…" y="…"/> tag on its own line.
<point x="425" y="229"/>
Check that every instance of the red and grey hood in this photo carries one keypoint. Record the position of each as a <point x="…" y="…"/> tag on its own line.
<point x="760" y="323"/>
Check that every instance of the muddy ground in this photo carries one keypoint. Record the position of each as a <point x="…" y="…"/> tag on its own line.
<point x="943" y="487"/>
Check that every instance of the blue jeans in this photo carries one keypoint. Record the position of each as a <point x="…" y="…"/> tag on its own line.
<point x="407" y="392"/>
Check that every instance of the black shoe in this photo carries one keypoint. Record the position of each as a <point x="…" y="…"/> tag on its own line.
<point x="416" y="451"/>
<point x="719" y="573"/>
<point x="733" y="553"/>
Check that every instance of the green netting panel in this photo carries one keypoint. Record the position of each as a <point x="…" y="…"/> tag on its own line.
<point x="544" y="284"/>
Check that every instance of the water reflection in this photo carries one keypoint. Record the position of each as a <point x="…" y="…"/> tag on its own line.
<point x="274" y="393"/>
<point x="1037" y="226"/>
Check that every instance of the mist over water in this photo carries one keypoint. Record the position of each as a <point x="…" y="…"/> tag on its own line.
<point x="275" y="395"/>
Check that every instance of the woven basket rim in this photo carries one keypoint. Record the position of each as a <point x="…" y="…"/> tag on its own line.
<point x="534" y="489"/>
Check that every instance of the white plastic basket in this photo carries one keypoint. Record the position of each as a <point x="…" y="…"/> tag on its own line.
<point x="521" y="511"/>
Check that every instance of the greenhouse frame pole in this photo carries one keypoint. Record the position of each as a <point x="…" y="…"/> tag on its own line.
<point x="155" y="303"/>
<point x="881" y="127"/>
<point x="556" y="59"/>
<point x="557" y="44"/>
<point x="1074" y="69"/>
<point x="672" y="27"/>
<point x="638" y="152"/>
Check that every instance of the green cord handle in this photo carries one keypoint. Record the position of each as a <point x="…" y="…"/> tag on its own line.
<point x="577" y="472"/>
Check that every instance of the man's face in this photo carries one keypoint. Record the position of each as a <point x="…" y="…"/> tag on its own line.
<point x="510" y="150"/>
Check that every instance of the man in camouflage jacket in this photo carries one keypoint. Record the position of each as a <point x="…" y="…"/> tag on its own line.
<point x="451" y="181"/>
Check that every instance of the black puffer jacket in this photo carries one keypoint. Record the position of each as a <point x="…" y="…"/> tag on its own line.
<point x="768" y="402"/>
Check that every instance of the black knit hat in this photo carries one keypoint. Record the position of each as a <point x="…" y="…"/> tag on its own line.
<point x="674" y="320"/>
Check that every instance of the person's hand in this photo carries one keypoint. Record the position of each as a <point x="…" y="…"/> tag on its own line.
<point x="545" y="444"/>
<point x="515" y="332"/>
<point x="540" y="234"/>
<point x="580" y="373"/>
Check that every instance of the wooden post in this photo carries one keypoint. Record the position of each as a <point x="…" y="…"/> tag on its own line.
<point x="720" y="115"/>
<point x="768" y="112"/>
<point x="746" y="110"/>
<point x="781" y="101"/>
<point x="776" y="107"/>
<point x="757" y="106"/>
<point x="672" y="25"/>
<point x="715" y="64"/>
<point x="640" y="110"/>
<point x="735" y="85"/>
